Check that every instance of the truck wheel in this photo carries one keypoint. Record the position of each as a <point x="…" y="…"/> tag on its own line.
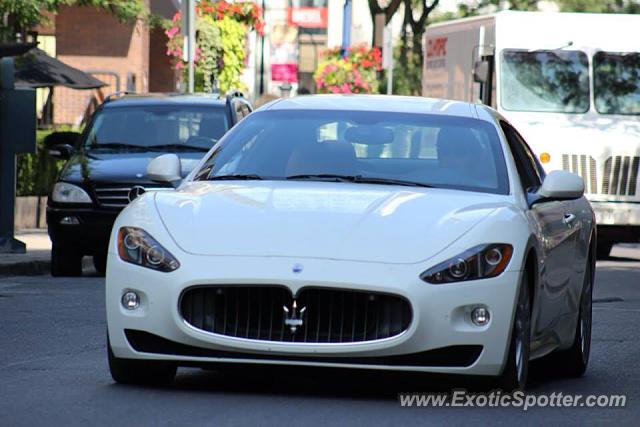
<point x="100" y="263"/>
<point x="141" y="372"/>
<point x="65" y="262"/>
<point x="603" y="249"/>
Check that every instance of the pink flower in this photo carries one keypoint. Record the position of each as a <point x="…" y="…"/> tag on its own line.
<point x="172" y="32"/>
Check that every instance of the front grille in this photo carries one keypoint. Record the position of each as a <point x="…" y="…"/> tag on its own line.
<point x="585" y="166"/>
<point x="620" y="176"/>
<point x="117" y="195"/>
<point x="329" y="315"/>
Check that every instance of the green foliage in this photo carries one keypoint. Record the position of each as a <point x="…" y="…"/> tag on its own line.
<point x="232" y="37"/>
<point x="599" y="6"/>
<point x="23" y="15"/>
<point x="37" y="172"/>
<point x="209" y="39"/>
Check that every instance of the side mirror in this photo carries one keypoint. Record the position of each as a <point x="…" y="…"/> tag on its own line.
<point x="59" y="138"/>
<point x="60" y="151"/>
<point x="481" y="71"/>
<point x="560" y="185"/>
<point x="165" y="168"/>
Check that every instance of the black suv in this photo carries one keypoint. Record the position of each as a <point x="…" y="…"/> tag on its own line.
<point x="107" y="163"/>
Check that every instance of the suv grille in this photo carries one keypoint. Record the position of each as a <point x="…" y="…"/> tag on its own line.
<point x="331" y="315"/>
<point x="117" y="195"/>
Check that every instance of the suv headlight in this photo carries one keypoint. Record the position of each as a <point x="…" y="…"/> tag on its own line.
<point x="479" y="262"/>
<point x="137" y="247"/>
<point x="63" y="192"/>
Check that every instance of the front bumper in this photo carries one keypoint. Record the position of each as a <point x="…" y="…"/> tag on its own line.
<point x="440" y="327"/>
<point x="90" y="236"/>
<point x="616" y="213"/>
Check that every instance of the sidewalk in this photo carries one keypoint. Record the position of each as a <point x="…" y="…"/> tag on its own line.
<point x="36" y="261"/>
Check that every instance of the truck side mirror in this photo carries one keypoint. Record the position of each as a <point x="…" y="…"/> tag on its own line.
<point x="481" y="71"/>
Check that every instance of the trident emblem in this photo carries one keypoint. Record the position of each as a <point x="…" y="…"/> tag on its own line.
<point x="293" y="319"/>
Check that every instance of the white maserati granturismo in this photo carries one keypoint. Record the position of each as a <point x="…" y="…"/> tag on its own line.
<point x="370" y="232"/>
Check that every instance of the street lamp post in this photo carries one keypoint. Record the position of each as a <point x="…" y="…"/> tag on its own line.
<point x="346" y="26"/>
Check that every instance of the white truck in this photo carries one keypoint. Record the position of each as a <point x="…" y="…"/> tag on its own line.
<point x="570" y="82"/>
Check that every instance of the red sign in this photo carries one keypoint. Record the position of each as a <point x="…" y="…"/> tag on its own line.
<point x="437" y="47"/>
<point x="284" y="73"/>
<point x="307" y="17"/>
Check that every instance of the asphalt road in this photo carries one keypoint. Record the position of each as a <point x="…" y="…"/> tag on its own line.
<point x="53" y="371"/>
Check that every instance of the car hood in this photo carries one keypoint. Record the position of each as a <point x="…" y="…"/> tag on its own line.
<point x="119" y="165"/>
<point x="358" y="222"/>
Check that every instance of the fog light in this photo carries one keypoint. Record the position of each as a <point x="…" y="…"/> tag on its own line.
<point x="69" y="220"/>
<point x="130" y="300"/>
<point x="480" y="316"/>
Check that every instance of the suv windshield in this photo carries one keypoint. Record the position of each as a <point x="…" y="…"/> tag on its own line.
<point x="616" y="82"/>
<point x="160" y="127"/>
<point x="546" y="81"/>
<point x="378" y="148"/>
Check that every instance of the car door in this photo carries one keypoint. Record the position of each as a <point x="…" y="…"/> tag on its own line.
<point x="557" y="230"/>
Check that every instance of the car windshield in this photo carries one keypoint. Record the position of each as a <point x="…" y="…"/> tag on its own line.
<point x="616" y="82"/>
<point x="171" y="127"/>
<point x="546" y="81"/>
<point x="362" y="147"/>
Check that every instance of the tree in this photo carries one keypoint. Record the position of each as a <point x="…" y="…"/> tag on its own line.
<point x="599" y="6"/>
<point x="484" y="6"/>
<point x="17" y="17"/>
<point x="376" y="9"/>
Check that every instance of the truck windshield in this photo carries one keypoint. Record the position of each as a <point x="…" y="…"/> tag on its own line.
<point x="547" y="81"/>
<point x="157" y="127"/>
<point x="616" y="82"/>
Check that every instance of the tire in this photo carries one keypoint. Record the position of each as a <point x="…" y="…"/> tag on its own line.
<point x="100" y="263"/>
<point x="603" y="250"/>
<point x="573" y="362"/>
<point x="516" y="371"/>
<point x="65" y="262"/>
<point x="140" y="372"/>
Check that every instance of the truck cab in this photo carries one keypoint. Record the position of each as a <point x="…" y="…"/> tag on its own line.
<point x="570" y="82"/>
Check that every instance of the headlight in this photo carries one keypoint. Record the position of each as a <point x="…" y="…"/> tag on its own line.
<point x="479" y="262"/>
<point x="137" y="247"/>
<point x="63" y="192"/>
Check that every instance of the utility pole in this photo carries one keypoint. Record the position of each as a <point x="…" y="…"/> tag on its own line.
<point x="188" y="29"/>
<point x="346" y="26"/>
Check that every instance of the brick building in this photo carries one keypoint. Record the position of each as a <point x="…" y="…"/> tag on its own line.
<point x="126" y="56"/>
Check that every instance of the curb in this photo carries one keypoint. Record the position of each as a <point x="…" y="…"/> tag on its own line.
<point x="26" y="268"/>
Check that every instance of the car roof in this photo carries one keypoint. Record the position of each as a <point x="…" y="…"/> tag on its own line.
<point x="382" y="103"/>
<point x="151" y="99"/>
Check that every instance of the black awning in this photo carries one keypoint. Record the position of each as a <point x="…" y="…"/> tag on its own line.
<point x="14" y="49"/>
<point x="37" y="69"/>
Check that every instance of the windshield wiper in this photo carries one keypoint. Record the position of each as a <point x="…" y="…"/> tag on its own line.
<point x="357" y="179"/>
<point x="233" y="177"/>
<point x="182" y="147"/>
<point x="322" y="177"/>
<point x="116" y="145"/>
<point x="389" y="181"/>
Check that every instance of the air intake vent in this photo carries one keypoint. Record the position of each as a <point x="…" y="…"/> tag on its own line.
<point x="620" y="176"/>
<point x="585" y="166"/>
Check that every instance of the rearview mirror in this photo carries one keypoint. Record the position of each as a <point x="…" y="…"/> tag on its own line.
<point x="165" y="168"/>
<point x="560" y="185"/>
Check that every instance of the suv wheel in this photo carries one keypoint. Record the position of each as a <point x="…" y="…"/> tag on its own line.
<point x="65" y="262"/>
<point x="100" y="263"/>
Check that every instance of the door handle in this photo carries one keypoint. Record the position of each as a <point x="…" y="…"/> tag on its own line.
<point x="568" y="218"/>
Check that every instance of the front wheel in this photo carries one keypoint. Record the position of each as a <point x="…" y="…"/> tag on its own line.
<point x="141" y="372"/>
<point x="516" y="370"/>
<point x="573" y="361"/>
<point x="65" y="262"/>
